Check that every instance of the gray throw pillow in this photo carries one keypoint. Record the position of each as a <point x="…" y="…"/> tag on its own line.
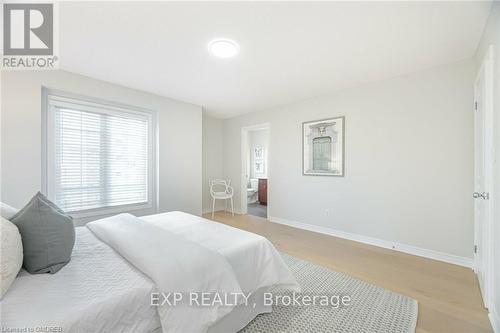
<point x="47" y="233"/>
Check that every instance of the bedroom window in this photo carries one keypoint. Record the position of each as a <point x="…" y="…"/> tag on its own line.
<point x="100" y="157"/>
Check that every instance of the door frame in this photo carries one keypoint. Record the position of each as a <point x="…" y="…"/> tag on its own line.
<point x="486" y="248"/>
<point x="244" y="162"/>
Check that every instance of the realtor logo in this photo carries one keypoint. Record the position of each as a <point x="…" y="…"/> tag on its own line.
<point x="28" y="29"/>
<point x="29" y="36"/>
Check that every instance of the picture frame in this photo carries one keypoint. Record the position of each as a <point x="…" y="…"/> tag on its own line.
<point x="259" y="160"/>
<point x="259" y="167"/>
<point x="323" y="147"/>
<point x="258" y="153"/>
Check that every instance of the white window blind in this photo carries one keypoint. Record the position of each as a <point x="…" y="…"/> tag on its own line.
<point x="99" y="156"/>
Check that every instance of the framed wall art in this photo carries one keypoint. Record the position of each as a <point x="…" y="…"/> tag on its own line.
<point x="323" y="147"/>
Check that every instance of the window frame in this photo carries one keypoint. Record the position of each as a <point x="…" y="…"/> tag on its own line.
<point x="105" y="107"/>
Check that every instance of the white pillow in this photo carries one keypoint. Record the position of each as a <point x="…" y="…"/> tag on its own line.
<point x="11" y="254"/>
<point x="7" y="211"/>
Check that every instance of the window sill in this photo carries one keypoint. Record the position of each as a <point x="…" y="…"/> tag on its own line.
<point x="106" y="211"/>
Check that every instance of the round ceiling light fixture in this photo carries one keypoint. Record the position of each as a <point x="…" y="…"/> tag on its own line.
<point x="223" y="48"/>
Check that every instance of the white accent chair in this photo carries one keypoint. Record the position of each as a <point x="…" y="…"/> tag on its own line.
<point x="220" y="189"/>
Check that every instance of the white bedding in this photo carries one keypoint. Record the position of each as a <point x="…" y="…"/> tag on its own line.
<point x="97" y="291"/>
<point x="254" y="259"/>
<point x="175" y="265"/>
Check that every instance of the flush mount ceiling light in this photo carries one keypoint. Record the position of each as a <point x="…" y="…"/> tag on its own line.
<point x="223" y="48"/>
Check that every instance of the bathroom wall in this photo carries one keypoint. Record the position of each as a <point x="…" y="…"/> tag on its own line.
<point x="259" y="138"/>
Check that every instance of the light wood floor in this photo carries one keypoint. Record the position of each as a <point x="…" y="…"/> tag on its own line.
<point x="448" y="296"/>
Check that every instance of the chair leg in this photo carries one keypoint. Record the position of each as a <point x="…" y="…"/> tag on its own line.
<point x="232" y="208"/>
<point x="213" y="207"/>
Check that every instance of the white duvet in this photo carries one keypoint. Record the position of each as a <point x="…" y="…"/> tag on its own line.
<point x="177" y="266"/>
<point x="254" y="259"/>
<point x="185" y="254"/>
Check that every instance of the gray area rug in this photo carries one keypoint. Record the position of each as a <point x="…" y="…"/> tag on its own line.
<point x="372" y="309"/>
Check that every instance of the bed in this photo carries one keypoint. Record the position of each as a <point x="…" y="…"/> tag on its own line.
<point x="100" y="291"/>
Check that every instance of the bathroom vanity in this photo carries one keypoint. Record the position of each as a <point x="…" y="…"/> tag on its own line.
<point x="263" y="191"/>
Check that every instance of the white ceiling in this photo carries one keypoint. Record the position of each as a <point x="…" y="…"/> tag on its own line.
<point x="288" y="51"/>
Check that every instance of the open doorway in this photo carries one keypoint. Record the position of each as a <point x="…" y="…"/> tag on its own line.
<point x="255" y="157"/>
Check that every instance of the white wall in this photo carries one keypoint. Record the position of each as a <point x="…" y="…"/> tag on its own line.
<point x="491" y="36"/>
<point x="212" y="158"/>
<point x="409" y="160"/>
<point x="179" y="124"/>
<point x="258" y="138"/>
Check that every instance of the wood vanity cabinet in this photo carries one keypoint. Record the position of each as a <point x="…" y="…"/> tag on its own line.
<point x="263" y="191"/>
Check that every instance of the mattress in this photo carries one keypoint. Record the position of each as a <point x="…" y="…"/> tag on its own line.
<point x="97" y="291"/>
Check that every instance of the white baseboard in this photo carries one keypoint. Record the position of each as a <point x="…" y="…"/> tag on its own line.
<point x="207" y="211"/>
<point x="431" y="254"/>
<point x="494" y="319"/>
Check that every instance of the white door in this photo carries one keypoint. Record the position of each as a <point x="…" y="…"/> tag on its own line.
<point x="483" y="146"/>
